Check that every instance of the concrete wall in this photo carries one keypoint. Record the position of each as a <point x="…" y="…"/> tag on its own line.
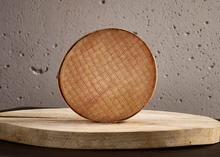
<point x="184" y="36"/>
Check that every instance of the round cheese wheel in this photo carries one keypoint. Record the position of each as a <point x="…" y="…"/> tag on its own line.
<point x="108" y="75"/>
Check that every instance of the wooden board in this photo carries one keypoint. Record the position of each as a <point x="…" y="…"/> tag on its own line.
<point x="107" y="76"/>
<point x="62" y="128"/>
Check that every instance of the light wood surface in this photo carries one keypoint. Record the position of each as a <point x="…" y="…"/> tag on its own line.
<point x="63" y="128"/>
<point x="107" y="76"/>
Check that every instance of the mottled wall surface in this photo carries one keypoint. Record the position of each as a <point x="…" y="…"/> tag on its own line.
<point x="184" y="37"/>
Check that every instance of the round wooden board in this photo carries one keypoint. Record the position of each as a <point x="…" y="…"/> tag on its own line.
<point x="62" y="128"/>
<point x="108" y="76"/>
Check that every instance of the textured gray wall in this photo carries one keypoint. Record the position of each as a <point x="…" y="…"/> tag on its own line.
<point x="184" y="36"/>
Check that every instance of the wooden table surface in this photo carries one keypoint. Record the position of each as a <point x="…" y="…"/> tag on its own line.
<point x="10" y="149"/>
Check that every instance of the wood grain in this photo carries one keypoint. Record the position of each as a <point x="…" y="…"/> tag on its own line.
<point x="62" y="128"/>
<point x="108" y="75"/>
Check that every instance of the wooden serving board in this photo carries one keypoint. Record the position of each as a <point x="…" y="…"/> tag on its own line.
<point x="62" y="128"/>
